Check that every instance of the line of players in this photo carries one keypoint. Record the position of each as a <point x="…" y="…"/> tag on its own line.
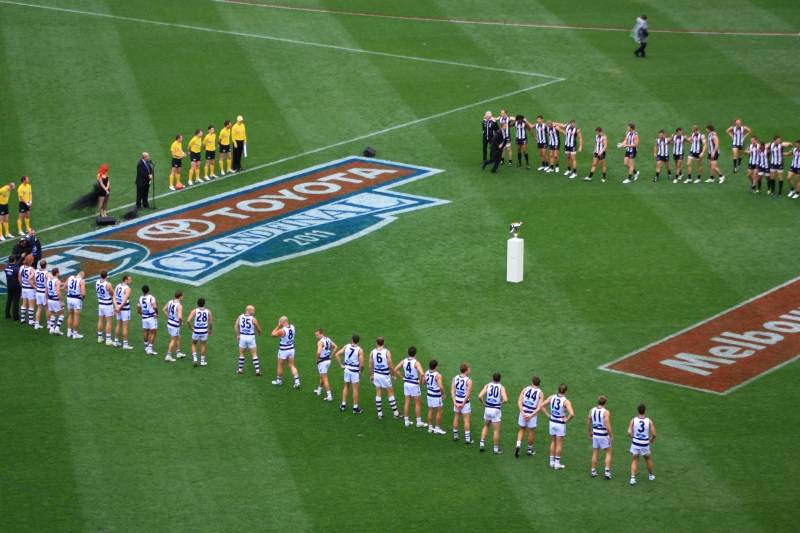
<point x="765" y="159"/>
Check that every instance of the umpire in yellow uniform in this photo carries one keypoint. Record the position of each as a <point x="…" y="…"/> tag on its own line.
<point x="239" y="134"/>
<point x="25" y="195"/>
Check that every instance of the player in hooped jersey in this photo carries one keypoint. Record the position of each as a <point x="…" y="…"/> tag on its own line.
<point x="559" y="407"/>
<point x="122" y="297"/>
<point x="631" y="145"/>
<point x="661" y="153"/>
<point x="174" y="312"/>
<point x="55" y="305"/>
<point x="285" y="332"/>
<point x="677" y="140"/>
<point x="325" y="348"/>
<point x="148" y="308"/>
<point x="495" y="394"/>
<point x="600" y="147"/>
<point x="599" y="423"/>
<point x="200" y="322"/>
<point x="40" y="276"/>
<point x="794" y="170"/>
<point x="412" y="379"/>
<point x="712" y="142"/>
<point x="76" y="292"/>
<point x="738" y="134"/>
<point x="573" y="143"/>
<point x="697" y="147"/>
<point x="529" y="403"/>
<point x="25" y="277"/>
<point x="106" y="307"/>
<point x="460" y="391"/>
<point x="436" y="397"/>
<point x="380" y="374"/>
<point x="642" y="433"/>
<point x="353" y="366"/>
<point x="246" y="329"/>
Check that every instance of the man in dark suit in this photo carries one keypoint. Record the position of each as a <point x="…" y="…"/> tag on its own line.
<point x="13" y="287"/>
<point x="489" y="127"/>
<point x="498" y="143"/>
<point x="144" y="176"/>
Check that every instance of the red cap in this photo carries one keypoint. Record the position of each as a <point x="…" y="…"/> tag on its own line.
<point x="103" y="169"/>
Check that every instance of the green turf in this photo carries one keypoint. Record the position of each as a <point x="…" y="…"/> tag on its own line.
<point x="92" y="439"/>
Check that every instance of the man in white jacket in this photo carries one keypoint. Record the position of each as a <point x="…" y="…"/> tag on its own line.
<point x="639" y="34"/>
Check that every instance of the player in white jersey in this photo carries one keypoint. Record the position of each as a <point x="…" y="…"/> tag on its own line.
<point x="412" y="379"/>
<point x="712" y="143"/>
<point x="794" y="169"/>
<point x="148" y="309"/>
<point x="507" y="121"/>
<point x="631" y="145"/>
<point x="174" y="312"/>
<point x="460" y="391"/>
<point x="122" y="299"/>
<point x="600" y="147"/>
<point x="55" y="305"/>
<point x="529" y="403"/>
<point x="200" y="322"/>
<point x="106" y="307"/>
<point x="246" y="329"/>
<point x="553" y="146"/>
<point x="436" y="397"/>
<point x="752" y="163"/>
<point x="677" y="141"/>
<point x="285" y="332"/>
<point x="76" y="292"/>
<point x="738" y="135"/>
<point x="353" y="366"/>
<point x="661" y="153"/>
<point x="540" y="129"/>
<point x="599" y="423"/>
<point x="40" y="276"/>
<point x="523" y="130"/>
<point x="325" y="347"/>
<point x="495" y="394"/>
<point x="573" y="143"/>
<point x="697" y="147"/>
<point x="381" y="375"/>
<point x="776" y="164"/>
<point x="642" y="433"/>
<point x="559" y="407"/>
<point x="25" y="277"/>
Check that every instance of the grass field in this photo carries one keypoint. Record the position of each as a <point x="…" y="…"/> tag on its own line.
<point x="94" y="439"/>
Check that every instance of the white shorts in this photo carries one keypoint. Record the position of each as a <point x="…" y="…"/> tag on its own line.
<point x="557" y="429"/>
<point x="124" y="316"/>
<point x="74" y="303"/>
<point x="467" y="409"/>
<point x="351" y="377"/>
<point x="492" y="415"/>
<point x="601" y="442"/>
<point x="640" y="450"/>
<point x="105" y="310"/>
<point x="411" y="389"/>
<point x="41" y="298"/>
<point x="382" y="380"/>
<point x="199" y="336"/>
<point x="285" y="354"/>
<point x="433" y="403"/>
<point x="54" y="306"/>
<point x="529" y="423"/>
<point x="28" y="294"/>
<point x="247" y="341"/>
<point x="173" y="332"/>
<point x="150" y="323"/>
<point x="324" y="366"/>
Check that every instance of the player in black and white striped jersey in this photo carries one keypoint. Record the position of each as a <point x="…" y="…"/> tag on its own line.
<point x="631" y="145"/>
<point x="677" y="141"/>
<point x="505" y="119"/>
<point x="794" y="169"/>
<point x="696" y="150"/>
<point x="523" y="128"/>
<point x="776" y="164"/>
<point x="541" y="141"/>
<point x="739" y="134"/>
<point x="763" y="164"/>
<point x="752" y="163"/>
<point x="712" y="144"/>
<point x="571" y="147"/>
<point x="661" y="153"/>
<point x="600" y="147"/>
<point x="553" y="146"/>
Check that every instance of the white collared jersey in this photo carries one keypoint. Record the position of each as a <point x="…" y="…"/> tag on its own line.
<point x="247" y="325"/>
<point x="202" y="317"/>
<point x="570" y="132"/>
<point x="763" y="158"/>
<point x="677" y="144"/>
<point x="119" y="295"/>
<point x="541" y="133"/>
<point x="738" y="136"/>
<point x="753" y="148"/>
<point x="460" y="384"/>
<point x="630" y="139"/>
<point x="410" y="373"/>
<point x="598" y="143"/>
<point x="380" y="361"/>
<point x="558" y="409"/>
<point x="40" y="277"/>
<point x="775" y="153"/>
<point x="25" y="273"/>
<point x="147" y="305"/>
<point x="103" y="293"/>
<point x="641" y="431"/>
<point x="173" y="320"/>
<point x="494" y="395"/>
<point x="53" y="289"/>
<point x="434" y="391"/>
<point x="712" y="143"/>
<point x="597" y="416"/>
<point x="73" y="287"/>
<point x="287" y="341"/>
<point x="530" y="399"/>
<point x="553" y="136"/>
<point x="795" y="157"/>
<point x="522" y="129"/>
<point x="325" y="353"/>
<point x="662" y="147"/>
<point x="697" y="143"/>
<point x="351" y="358"/>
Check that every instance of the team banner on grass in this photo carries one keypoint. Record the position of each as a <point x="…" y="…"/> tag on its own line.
<point x="274" y="220"/>
<point x="726" y="351"/>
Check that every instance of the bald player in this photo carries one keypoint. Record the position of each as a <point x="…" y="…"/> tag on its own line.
<point x="246" y="329"/>
<point x="285" y="332"/>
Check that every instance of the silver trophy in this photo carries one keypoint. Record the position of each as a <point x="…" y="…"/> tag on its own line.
<point x="515" y="228"/>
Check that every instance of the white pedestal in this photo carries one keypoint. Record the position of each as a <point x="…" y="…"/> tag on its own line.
<point x="516" y="253"/>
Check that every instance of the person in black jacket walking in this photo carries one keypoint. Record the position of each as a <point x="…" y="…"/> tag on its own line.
<point x="144" y="177"/>
<point x="489" y="127"/>
<point x="498" y="143"/>
<point x="13" y="287"/>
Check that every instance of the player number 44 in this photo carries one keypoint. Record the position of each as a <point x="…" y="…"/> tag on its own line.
<point x="309" y="237"/>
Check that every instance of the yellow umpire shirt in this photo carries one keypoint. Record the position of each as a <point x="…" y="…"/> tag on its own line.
<point x="176" y="149"/>
<point x="239" y="133"/>
<point x="24" y="193"/>
<point x="5" y="192"/>
<point x="225" y="137"/>
<point x="210" y="142"/>
<point x="195" y="144"/>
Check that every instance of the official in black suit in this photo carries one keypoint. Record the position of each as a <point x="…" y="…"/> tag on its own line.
<point x="144" y="176"/>
<point x="498" y="143"/>
<point x="489" y="127"/>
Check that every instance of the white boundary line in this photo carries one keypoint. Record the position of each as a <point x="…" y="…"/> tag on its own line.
<point x="631" y="354"/>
